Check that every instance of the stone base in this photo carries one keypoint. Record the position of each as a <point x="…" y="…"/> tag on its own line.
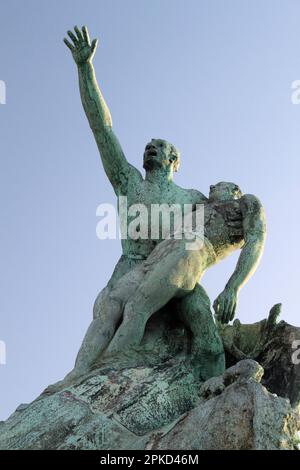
<point x="157" y="407"/>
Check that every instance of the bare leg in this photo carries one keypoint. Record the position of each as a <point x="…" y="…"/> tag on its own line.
<point x="207" y="348"/>
<point x="124" y="266"/>
<point x="169" y="271"/>
<point x="108" y="310"/>
<point x="98" y="336"/>
<point x="99" y="333"/>
<point x="154" y="292"/>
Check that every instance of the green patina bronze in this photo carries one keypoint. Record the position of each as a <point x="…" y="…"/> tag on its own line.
<point x="152" y="274"/>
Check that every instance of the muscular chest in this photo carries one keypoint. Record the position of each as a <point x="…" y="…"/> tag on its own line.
<point x="159" y="209"/>
<point x="149" y="194"/>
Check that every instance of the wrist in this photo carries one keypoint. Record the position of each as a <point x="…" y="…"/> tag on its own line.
<point x="86" y="65"/>
<point x="232" y="286"/>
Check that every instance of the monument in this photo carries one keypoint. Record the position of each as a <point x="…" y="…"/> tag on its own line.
<point x="155" y="360"/>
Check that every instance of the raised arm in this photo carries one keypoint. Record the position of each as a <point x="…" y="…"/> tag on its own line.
<point x="117" y="168"/>
<point x="254" y="225"/>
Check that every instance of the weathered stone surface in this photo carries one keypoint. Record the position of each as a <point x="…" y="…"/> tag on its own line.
<point x="243" y="416"/>
<point x="158" y="407"/>
<point x="272" y="344"/>
<point x="63" y="421"/>
<point x="120" y="403"/>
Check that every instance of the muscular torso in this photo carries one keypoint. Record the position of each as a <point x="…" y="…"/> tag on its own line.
<point x="148" y="193"/>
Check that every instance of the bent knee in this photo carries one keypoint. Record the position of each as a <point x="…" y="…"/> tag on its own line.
<point x="107" y="307"/>
<point x="98" y="302"/>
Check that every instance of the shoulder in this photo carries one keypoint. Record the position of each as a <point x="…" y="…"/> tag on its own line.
<point x="196" y="196"/>
<point x="251" y="203"/>
<point x="127" y="179"/>
<point x="253" y="214"/>
<point x="135" y="173"/>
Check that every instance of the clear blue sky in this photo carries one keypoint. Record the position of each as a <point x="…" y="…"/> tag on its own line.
<point x="212" y="76"/>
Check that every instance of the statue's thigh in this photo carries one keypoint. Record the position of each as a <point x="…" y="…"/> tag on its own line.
<point x="194" y="310"/>
<point x="126" y="287"/>
<point x="154" y="292"/>
<point x="123" y="266"/>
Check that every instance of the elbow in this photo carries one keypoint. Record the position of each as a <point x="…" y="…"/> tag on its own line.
<point x="256" y="237"/>
<point x="254" y="246"/>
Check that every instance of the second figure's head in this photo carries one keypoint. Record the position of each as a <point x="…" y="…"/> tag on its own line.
<point x="224" y="191"/>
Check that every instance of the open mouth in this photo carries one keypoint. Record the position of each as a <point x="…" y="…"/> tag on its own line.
<point x="151" y="153"/>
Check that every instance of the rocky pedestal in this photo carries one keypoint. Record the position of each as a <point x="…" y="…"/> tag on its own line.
<point x="151" y="399"/>
<point x="160" y="407"/>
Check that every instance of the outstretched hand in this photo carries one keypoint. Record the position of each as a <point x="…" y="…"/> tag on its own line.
<point x="225" y="305"/>
<point x="81" y="47"/>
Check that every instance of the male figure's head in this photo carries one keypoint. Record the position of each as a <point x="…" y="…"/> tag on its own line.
<point x="160" y="154"/>
<point x="224" y="191"/>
